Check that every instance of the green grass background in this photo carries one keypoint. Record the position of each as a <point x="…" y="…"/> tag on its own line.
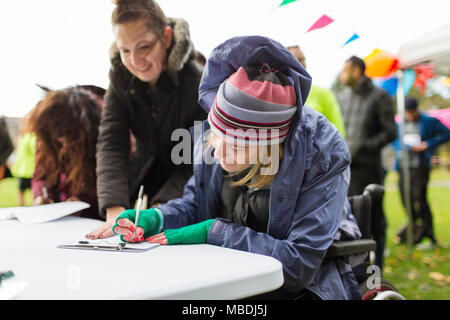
<point x="417" y="274"/>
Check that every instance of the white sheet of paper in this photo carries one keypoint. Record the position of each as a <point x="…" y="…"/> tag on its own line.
<point x="144" y="245"/>
<point x="412" y="139"/>
<point x="10" y="288"/>
<point x="43" y="213"/>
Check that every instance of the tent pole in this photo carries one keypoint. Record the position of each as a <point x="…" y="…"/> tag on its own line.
<point x="404" y="162"/>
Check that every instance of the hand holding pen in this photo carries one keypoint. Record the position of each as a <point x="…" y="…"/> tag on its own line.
<point x="43" y="199"/>
<point x="126" y="227"/>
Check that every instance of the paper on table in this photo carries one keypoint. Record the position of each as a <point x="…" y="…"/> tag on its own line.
<point x="144" y="245"/>
<point x="42" y="213"/>
<point x="113" y="242"/>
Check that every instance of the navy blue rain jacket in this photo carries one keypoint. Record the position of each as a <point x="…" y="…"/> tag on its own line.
<point x="432" y="130"/>
<point x="307" y="195"/>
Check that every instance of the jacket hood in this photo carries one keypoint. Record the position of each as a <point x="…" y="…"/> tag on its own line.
<point x="181" y="51"/>
<point x="246" y="51"/>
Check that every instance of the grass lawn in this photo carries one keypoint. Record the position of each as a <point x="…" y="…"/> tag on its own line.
<point x="9" y="193"/>
<point x="422" y="275"/>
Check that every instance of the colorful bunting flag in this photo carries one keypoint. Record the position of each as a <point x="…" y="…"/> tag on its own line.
<point x="285" y="2"/>
<point x="380" y="64"/>
<point x="322" y="22"/>
<point x="423" y="72"/>
<point x="445" y="81"/>
<point x="352" y="38"/>
<point x="409" y="77"/>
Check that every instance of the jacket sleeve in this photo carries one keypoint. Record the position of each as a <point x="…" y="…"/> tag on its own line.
<point x="113" y="148"/>
<point x="182" y="211"/>
<point x="314" y="225"/>
<point x="387" y="132"/>
<point x="441" y="134"/>
<point x="334" y="113"/>
<point x="37" y="186"/>
<point x="174" y="186"/>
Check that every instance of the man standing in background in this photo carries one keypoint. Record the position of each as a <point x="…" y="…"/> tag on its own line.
<point x="6" y="148"/>
<point x="422" y="135"/>
<point x="369" y="122"/>
<point x="321" y="99"/>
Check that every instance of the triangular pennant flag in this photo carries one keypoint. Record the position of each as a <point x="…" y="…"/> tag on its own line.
<point x="322" y="22"/>
<point x="409" y="77"/>
<point x="285" y="2"/>
<point x="352" y="38"/>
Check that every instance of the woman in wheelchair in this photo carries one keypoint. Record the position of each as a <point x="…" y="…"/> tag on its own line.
<point x="270" y="174"/>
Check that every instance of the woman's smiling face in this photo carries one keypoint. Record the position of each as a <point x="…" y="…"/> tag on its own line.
<point x="142" y="52"/>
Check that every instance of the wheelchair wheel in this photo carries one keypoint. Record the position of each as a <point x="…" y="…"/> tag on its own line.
<point x="386" y="291"/>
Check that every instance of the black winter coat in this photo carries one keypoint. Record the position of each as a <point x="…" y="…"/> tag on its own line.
<point x="368" y="115"/>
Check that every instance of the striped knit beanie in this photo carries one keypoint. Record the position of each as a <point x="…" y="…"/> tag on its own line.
<point x="255" y="105"/>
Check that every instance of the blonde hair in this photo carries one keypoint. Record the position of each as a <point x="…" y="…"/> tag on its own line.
<point x="265" y="162"/>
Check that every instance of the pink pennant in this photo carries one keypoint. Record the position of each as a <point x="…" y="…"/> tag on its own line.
<point x="322" y="22"/>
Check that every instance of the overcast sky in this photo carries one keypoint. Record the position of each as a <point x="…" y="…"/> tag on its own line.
<point x="58" y="43"/>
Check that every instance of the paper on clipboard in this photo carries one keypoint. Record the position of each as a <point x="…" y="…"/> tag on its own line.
<point x="110" y="244"/>
<point x="42" y="213"/>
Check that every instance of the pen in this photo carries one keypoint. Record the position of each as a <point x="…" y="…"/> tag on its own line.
<point x="138" y="208"/>
<point x="45" y="194"/>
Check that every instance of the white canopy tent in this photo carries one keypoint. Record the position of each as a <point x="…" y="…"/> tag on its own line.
<point x="433" y="47"/>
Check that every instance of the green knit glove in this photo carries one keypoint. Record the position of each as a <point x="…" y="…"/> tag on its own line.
<point x="195" y="233"/>
<point x="150" y="220"/>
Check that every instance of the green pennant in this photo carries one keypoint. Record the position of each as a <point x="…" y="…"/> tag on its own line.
<point x="285" y="2"/>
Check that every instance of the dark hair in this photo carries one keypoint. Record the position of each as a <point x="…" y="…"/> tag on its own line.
<point x="98" y="91"/>
<point x="411" y="103"/>
<point x="200" y="58"/>
<point x="146" y="10"/>
<point x="72" y="114"/>
<point x="358" y="62"/>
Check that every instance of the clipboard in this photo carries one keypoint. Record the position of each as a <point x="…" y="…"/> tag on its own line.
<point x="110" y="245"/>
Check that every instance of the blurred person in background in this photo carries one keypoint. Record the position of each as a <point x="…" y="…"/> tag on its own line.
<point x="6" y="148"/>
<point x="321" y="99"/>
<point x="23" y="167"/>
<point x="369" y="123"/>
<point x="423" y="134"/>
<point x="66" y="124"/>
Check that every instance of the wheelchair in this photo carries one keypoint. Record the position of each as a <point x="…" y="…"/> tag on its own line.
<point x="361" y="206"/>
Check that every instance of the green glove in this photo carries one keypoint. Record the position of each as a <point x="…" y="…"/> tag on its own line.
<point x="195" y="233"/>
<point x="150" y="220"/>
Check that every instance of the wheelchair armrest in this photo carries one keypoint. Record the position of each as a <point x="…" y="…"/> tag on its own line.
<point x="345" y="248"/>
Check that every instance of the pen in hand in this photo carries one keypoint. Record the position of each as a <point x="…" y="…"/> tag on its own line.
<point x="43" y="198"/>
<point x="45" y="194"/>
<point x="138" y="208"/>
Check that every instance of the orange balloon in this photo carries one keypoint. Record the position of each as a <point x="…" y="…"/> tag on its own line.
<point x="380" y="64"/>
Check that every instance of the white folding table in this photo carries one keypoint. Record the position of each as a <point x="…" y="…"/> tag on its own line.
<point x="166" y="272"/>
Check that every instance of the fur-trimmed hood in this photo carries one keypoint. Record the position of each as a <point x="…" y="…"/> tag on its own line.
<point x="181" y="51"/>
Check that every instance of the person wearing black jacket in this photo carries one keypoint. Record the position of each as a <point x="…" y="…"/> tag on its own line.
<point x="6" y="148"/>
<point x="369" y="122"/>
<point x="153" y="91"/>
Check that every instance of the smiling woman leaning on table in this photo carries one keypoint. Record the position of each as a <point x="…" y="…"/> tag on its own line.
<point x="153" y="91"/>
